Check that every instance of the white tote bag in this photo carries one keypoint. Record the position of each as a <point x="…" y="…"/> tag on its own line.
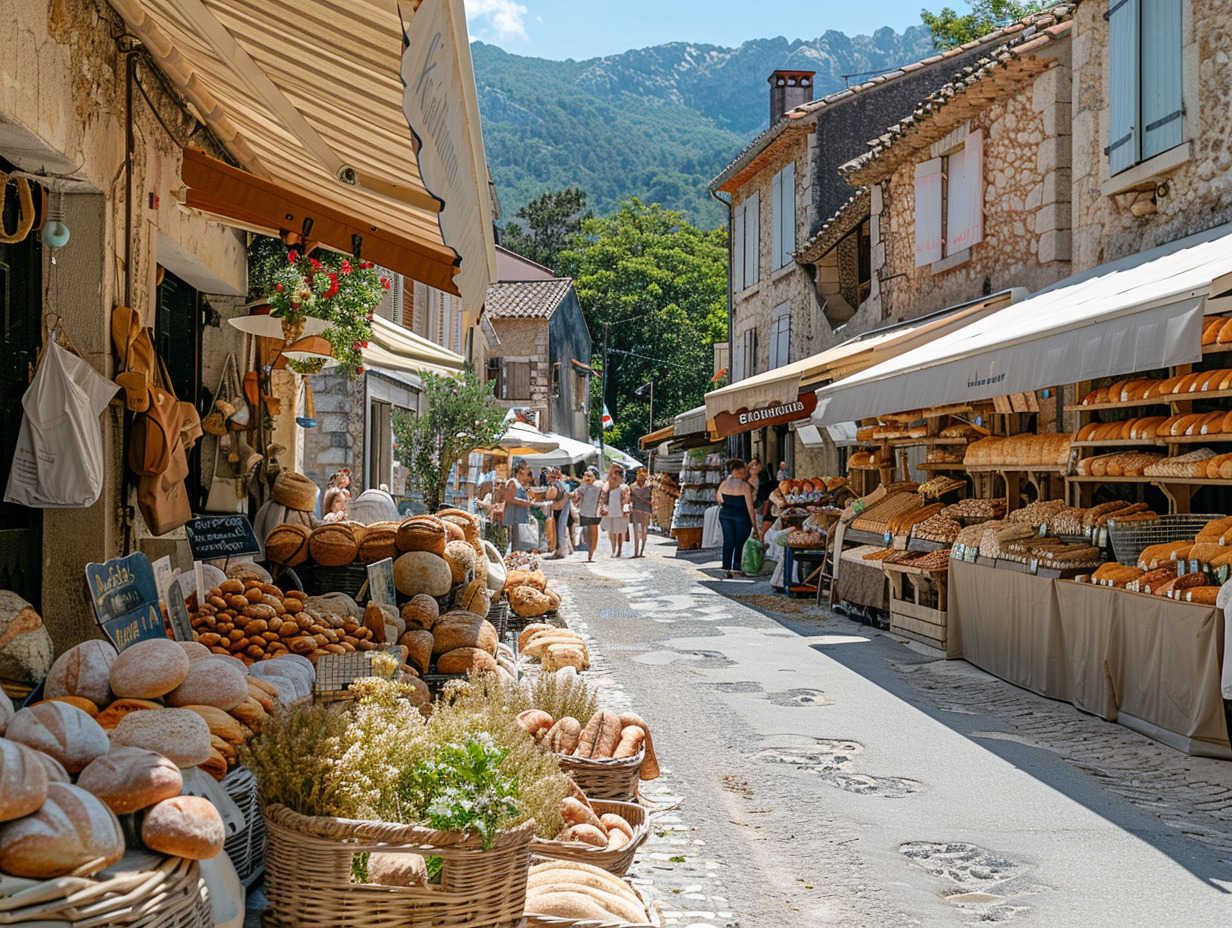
<point x="58" y="462"/>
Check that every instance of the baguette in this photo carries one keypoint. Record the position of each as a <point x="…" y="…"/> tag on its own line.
<point x="600" y="737"/>
<point x="650" y="764"/>
<point x="1210" y="330"/>
<point x="1086" y="432"/>
<point x="1186" y="384"/>
<point x="1205" y="595"/>
<point x="1225" y="333"/>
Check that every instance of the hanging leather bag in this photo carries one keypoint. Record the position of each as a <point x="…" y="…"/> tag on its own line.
<point x="163" y="498"/>
<point x="137" y="359"/>
<point x="155" y="435"/>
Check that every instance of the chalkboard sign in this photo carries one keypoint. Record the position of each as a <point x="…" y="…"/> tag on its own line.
<point x="125" y="597"/>
<point x="381" y="582"/>
<point x="216" y="537"/>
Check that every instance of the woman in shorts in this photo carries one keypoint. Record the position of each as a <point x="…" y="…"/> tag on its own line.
<point x="640" y="511"/>
<point x="586" y="498"/>
<point x="615" y="498"/>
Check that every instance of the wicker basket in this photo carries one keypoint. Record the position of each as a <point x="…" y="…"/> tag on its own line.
<point x="498" y="615"/>
<point x="606" y="778"/>
<point x="246" y="849"/>
<point x="552" y="921"/>
<point x="614" y="862"/>
<point x="350" y="579"/>
<point x="308" y="875"/>
<point x="336" y="672"/>
<point x="171" y="895"/>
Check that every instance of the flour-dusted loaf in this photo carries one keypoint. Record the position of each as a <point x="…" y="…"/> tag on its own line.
<point x="185" y="826"/>
<point x="23" y="781"/>
<point x="73" y="832"/>
<point x="128" y="778"/>
<point x="6" y="710"/>
<point x="25" y="644"/>
<point x="177" y="734"/>
<point x="149" y="669"/>
<point x="422" y="572"/>
<point x="211" y="683"/>
<point x="83" y="670"/>
<point x="61" y="730"/>
<point x="55" y="770"/>
<point x="195" y="650"/>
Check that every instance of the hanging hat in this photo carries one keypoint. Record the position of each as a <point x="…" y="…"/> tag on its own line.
<point x="295" y="491"/>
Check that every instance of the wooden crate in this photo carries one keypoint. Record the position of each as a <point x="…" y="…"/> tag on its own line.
<point x="919" y="603"/>
<point x="919" y="623"/>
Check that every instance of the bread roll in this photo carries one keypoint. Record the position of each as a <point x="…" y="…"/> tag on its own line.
<point x="387" y="868"/>
<point x="211" y="683"/>
<point x="110" y="717"/>
<point x="73" y="833"/>
<point x="535" y="722"/>
<point x="177" y="734"/>
<point x="83" y="670"/>
<point x="650" y="763"/>
<point x="149" y="669"/>
<point x="461" y="629"/>
<point x="593" y="835"/>
<point x="613" y="822"/>
<point x="23" y="781"/>
<point x="61" y="730"/>
<point x="185" y="826"/>
<point x="128" y="779"/>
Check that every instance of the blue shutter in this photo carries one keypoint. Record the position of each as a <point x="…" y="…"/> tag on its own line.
<point x="776" y="220"/>
<point x="788" y="235"/>
<point x="737" y="253"/>
<point x="1161" y="76"/>
<point x="752" y="239"/>
<point x="1123" y="126"/>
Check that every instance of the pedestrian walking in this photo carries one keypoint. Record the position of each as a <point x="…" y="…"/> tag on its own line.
<point x="640" y="511"/>
<point x="558" y="496"/>
<point x="516" y="517"/>
<point x="614" y="509"/>
<point x="763" y="486"/>
<point x="586" y="498"/>
<point x="737" y="517"/>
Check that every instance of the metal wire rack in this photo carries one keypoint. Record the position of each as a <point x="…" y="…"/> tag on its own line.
<point x="1129" y="539"/>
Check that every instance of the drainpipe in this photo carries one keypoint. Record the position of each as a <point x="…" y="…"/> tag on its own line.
<point x="730" y="240"/>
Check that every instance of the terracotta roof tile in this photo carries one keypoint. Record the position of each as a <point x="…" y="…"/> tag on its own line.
<point x="531" y="299"/>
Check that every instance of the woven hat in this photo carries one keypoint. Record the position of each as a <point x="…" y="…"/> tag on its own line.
<point x="295" y="491"/>
<point x="287" y="544"/>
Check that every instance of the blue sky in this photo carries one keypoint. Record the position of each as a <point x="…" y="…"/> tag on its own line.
<point x="590" y="28"/>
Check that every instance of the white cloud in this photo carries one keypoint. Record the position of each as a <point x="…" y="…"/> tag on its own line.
<point x="506" y="19"/>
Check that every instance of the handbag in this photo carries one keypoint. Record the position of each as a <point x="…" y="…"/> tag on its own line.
<point x="225" y="491"/>
<point x="163" y="498"/>
<point x="135" y="350"/>
<point x="216" y="422"/>
<point x="156" y="432"/>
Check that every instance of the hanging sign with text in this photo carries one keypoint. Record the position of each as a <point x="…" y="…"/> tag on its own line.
<point x="125" y="598"/>
<point x="733" y="423"/>
<point x="215" y="537"/>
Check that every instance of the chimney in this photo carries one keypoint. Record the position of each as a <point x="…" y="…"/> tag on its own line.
<point x="789" y="89"/>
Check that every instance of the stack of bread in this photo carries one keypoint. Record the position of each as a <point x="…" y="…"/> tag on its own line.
<point x="455" y="642"/>
<point x="1021" y="451"/>
<point x="895" y="502"/>
<point x="583" y="825"/>
<point x="975" y="511"/>
<point x="575" y="893"/>
<point x="1114" y="575"/>
<point x="1121" y="464"/>
<point x="937" y="527"/>
<point x="555" y="648"/>
<point x="1037" y="513"/>
<point x="529" y="595"/>
<point x="1183" y="466"/>
<point x="606" y="736"/>
<point x="941" y="456"/>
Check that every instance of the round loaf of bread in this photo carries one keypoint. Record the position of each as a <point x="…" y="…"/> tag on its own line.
<point x="23" y="781"/>
<point x="195" y="650"/>
<point x="25" y="645"/>
<point x="6" y="710"/>
<point x="186" y="826"/>
<point x="287" y="544"/>
<point x="475" y="598"/>
<point x="461" y="629"/>
<point x="452" y="532"/>
<point x="380" y="541"/>
<point x="179" y="735"/>
<point x="422" y="533"/>
<point x="465" y="660"/>
<point x="460" y="557"/>
<point x="333" y="544"/>
<point x="82" y="670"/>
<point x="463" y="520"/>
<point x="55" y="770"/>
<point x="422" y="572"/>
<point x="110" y="717"/>
<point x="421" y="612"/>
<point x="149" y="669"/>
<point x="128" y="779"/>
<point x="61" y="730"/>
<point x="73" y="833"/>
<point x="222" y="725"/>
<point x="211" y="683"/>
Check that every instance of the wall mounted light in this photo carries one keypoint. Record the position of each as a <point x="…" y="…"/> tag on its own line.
<point x="55" y="230"/>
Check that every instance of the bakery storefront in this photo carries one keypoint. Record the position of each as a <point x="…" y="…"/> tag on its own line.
<point x="1074" y="540"/>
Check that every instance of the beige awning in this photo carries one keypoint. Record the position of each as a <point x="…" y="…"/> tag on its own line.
<point x="783" y="385"/>
<point x="310" y="96"/>
<point x="399" y="350"/>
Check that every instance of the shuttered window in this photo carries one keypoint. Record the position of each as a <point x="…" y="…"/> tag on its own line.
<point x="751" y="239"/>
<point x="750" y="352"/>
<point x="964" y="195"/>
<point x="783" y="215"/>
<point x="1145" y="75"/>
<point x="515" y="380"/>
<point x="737" y="255"/>
<point x="928" y="212"/>
<point x="780" y="336"/>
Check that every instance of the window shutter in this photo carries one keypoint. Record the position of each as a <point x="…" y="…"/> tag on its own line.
<point x="737" y="258"/>
<point x="1123" y="85"/>
<point x="788" y="234"/>
<point x="783" y="340"/>
<point x="737" y="360"/>
<point x="928" y="212"/>
<point x="776" y="220"/>
<point x="1161" y="76"/>
<point x="751" y="239"/>
<point x="964" y="216"/>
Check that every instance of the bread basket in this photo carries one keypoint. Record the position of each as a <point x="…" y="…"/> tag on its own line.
<point x="615" y="862"/>
<point x="604" y="778"/>
<point x="295" y="491"/>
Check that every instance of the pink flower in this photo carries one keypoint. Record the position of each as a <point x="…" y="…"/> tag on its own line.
<point x="345" y="267"/>
<point x="292" y="257"/>
<point x="316" y="265"/>
<point x="385" y="282"/>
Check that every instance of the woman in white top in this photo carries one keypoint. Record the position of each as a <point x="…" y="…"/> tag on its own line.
<point x="586" y="498"/>
<point x="614" y="495"/>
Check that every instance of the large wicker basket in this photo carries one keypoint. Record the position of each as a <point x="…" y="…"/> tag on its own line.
<point x="247" y="848"/>
<point x="534" y="920"/>
<point x="308" y="875"/>
<point x="614" y="862"/>
<point x="605" y="778"/>
<point x="171" y="895"/>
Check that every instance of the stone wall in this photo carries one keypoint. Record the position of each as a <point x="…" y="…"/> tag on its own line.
<point x="1198" y="189"/>
<point x="526" y="340"/>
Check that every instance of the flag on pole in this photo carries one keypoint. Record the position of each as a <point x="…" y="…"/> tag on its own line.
<point x="607" y="418"/>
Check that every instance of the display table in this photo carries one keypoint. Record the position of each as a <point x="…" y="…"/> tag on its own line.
<point x="859" y="581"/>
<point x="1150" y="663"/>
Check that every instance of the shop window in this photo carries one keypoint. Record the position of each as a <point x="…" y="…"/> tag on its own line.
<point x="515" y="380"/>
<point x="380" y="445"/>
<point x="1145" y="105"/>
<point x="783" y="215"/>
<point x="949" y="202"/>
<point x="745" y="240"/>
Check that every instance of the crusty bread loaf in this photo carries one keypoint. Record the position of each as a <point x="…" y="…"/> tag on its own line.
<point x="460" y="557"/>
<point x="73" y="832"/>
<point x="211" y="683"/>
<point x="380" y="541"/>
<point x="195" y="650"/>
<point x="600" y="736"/>
<point x="461" y="629"/>
<point x="418" y="644"/>
<point x="128" y="778"/>
<point x="61" y="730"/>
<point x="333" y="544"/>
<point x="149" y="669"/>
<point x="185" y="826"/>
<point x="1225" y="333"/>
<point x="465" y="660"/>
<point x="1210" y="330"/>
<point x="178" y="734"/>
<point x="422" y="533"/>
<point x="110" y="717"/>
<point x="250" y="713"/>
<point x="23" y="781"/>
<point x="80" y="702"/>
<point x="83" y="670"/>
<point x="422" y="572"/>
<point x="593" y="835"/>
<point x="421" y="612"/>
<point x="221" y="723"/>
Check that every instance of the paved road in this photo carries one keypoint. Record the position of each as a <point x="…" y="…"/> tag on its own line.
<point x="830" y="775"/>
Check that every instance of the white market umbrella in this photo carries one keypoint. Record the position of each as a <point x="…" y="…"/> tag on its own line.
<point x="522" y="439"/>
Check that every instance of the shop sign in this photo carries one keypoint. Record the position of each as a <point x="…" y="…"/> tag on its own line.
<point x="727" y="423"/>
<point x="214" y="537"/>
<point x="381" y="582"/>
<point x="124" y="594"/>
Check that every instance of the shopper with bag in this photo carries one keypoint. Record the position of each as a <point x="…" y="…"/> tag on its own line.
<point x="737" y="517"/>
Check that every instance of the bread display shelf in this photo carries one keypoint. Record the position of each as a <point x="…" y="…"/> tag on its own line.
<point x="1125" y="442"/>
<point x="941" y="465"/>
<point x="1196" y="481"/>
<point x="858" y="537"/>
<point x="1015" y="468"/>
<point x="1166" y="400"/>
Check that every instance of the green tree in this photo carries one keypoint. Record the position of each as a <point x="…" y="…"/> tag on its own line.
<point x="549" y="223"/>
<point x="661" y="284"/>
<point x="950" y="28"/>
<point x="461" y="417"/>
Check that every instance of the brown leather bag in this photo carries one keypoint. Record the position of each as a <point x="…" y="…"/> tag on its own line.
<point x="156" y="432"/>
<point x="135" y="350"/>
<point x="163" y="498"/>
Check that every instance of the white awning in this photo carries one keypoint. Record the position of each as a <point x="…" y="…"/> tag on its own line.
<point x="394" y="348"/>
<point x="569" y="451"/>
<point x="691" y="422"/>
<point x="1135" y="314"/>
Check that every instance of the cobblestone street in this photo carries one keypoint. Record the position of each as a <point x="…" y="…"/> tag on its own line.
<point x="817" y="771"/>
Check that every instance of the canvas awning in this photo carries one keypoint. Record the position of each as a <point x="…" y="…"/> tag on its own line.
<point x="785" y="393"/>
<point x="310" y="99"/>
<point x="568" y="451"/>
<point x="1139" y="313"/>
<point x="691" y="422"/>
<point x="657" y="437"/>
<point x="394" y="348"/>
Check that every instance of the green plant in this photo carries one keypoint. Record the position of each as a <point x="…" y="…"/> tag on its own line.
<point x="292" y="760"/>
<point x="563" y="696"/>
<point x="462" y="788"/>
<point x="950" y="28"/>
